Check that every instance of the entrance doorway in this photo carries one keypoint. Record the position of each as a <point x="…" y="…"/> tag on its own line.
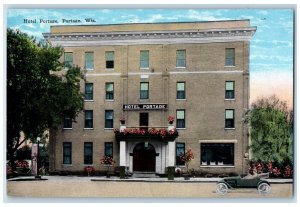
<point x="144" y="157"/>
<point x="144" y="121"/>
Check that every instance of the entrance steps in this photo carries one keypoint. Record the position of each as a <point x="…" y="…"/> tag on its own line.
<point x="144" y="175"/>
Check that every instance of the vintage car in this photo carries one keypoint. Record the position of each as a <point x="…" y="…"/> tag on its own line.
<point x="249" y="181"/>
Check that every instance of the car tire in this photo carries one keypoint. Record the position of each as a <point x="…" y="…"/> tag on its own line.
<point x="221" y="188"/>
<point x="264" y="188"/>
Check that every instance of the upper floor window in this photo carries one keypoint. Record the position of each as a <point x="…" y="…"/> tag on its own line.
<point x="109" y="58"/>
<point x="67" y="122"/>
<point x="88" y="95"/>
<point x="109" y="91"/>
<point x="144" y="90"/>
<point x="89" y="60"/>
<point x="229" y="57"/>
<point x="88" y="115"/>
<point x="229" y="90"/>
<point x="68" y="59"/>
<point x="229" y="118"/>
<point x="180" y="118"/>
<point x="144" y="59"/>
<point x="67" y="153"/>
<point x="180" y="59"/>
<point x="108" y="149"/>
<point x="180" y="90"/>
<point x="180" y="150"/>
<point x="109" y="119"/>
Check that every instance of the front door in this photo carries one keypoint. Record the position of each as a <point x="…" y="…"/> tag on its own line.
<point x="144" y="157"/>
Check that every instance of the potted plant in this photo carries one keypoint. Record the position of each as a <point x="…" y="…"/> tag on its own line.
<point x="108" y="162"/>
<point x="122" y="120"/>
<point x="187" y="157"/>
<point x="89" y="170"/>
<point x="171" y="119"/>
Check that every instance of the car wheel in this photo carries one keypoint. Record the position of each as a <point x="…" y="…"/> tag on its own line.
<point x="221" y="188"/>
<point x="264" y="188"/>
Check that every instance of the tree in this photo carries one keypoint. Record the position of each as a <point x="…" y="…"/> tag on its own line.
<point x="271" y="125"/>
<point x="38" y="94"/>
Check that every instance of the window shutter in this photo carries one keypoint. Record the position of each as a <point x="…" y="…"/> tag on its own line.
<point x="144" y="86"/>
<point x="229" y="86"/>
<point x="180" y="114"/>
<point x="109" y="87"/>
<point x="180" y="86"/>
<point x="109" y="56"/>
<point x="229" y="114"/>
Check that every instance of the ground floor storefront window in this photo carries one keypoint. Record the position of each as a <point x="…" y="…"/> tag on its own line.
<point x="217" y="154"/>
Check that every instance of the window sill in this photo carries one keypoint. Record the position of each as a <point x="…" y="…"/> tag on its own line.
<point x="144" y="68"/>
<point x="110" y="100"/>
<point x="109" y="68"/>
<point x="88" y="100"/>
<point x="180" y="67"/>
<point x="67" y="165"/>
<point x="88" y="165"/>
<point x="180" y="99"/>
<point x="108" y="128"/>
<point x="229" y="99"/>
<point x="229" y="128"/>
<point x="181" y="128"/>
<point x="229" y="66"/>
<point x="218" y="166"/>
<point x="142" y="100"/>
<point x="89" y="68"/>
<point x="88" y="128"/>
<point x="67" y="128"/>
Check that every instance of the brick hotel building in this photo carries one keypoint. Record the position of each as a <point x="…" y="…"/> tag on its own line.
<point x="197" y="72"/>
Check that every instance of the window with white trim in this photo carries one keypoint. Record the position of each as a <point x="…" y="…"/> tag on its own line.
<point x="88" y="153"/>
<point x="67" y="153"/>
<point x="180" y="150"/>
<point x="89" y="61"/>
<point x="229" y="57"/>
<point x="180" y="86"/>
<point x="88" y="95"/>
<point x="181" y="58"/>
<point x="180" y="118"/>
<point x="109" y="119"/>
<point x="67" y="122"/>
<point x="109" y="59"/>
<point x="229" y="118"/>
<point x="88" y="122"/>
<point x="217" y="154"/>
<point x="229" y="90"/>
<point x="144" y="59"/>
<point x="109" y="91"/>
<point x="68" y="59"/>
<point x="144" y="90"/>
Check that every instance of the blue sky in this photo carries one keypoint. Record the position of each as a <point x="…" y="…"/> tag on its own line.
<point x="271" y="56"/>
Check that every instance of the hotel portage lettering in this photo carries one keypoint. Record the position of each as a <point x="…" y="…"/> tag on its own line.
<point x="145" y="106"/>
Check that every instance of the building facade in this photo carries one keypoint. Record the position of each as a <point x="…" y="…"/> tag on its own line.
<point x="197" y="72"/>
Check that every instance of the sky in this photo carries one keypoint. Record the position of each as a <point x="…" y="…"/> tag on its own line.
<point x="271" y="48"/>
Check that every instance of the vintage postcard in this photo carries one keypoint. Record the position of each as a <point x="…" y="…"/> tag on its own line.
<point x="150" y="103"/>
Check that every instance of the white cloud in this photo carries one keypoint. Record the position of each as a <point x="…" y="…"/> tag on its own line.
<point x="263" y="12"/>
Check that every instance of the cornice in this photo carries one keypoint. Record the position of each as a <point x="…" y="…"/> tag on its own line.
<point x="154" y="37"/>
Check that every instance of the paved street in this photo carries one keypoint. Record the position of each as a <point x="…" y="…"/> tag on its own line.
<point x="84" y="187"/>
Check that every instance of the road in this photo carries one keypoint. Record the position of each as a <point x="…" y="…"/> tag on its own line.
<point x="103" y="189"/>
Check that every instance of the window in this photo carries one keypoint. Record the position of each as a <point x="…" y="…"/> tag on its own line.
<point x="229" y="90"/>
<point x="67" y="122"/>
<point x="180" y="90"/>
<point x="88" y="119"/>
<point x="109" y="119"/>
<point x="180" y="150"/>
<point x="217" y="154"/>
<point x="109" y="57"/>
<point x="108" y="149"/>
<point x="180" y="118"/>
<point x="144" y="90"/>
<point x="144" y="59"/>
<point x="180" y="59"/>
<point x="67" y="153"/>
<point x="229" y="57"/>
<point x="229" y="118"/>
<point x="68" y="59"/>
<point x="109" y="88"/>
<point x="88" y="153"/>
<point x="88" y="95"/>
<point x="89" y="60"/>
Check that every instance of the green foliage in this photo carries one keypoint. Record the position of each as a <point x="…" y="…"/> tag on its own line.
<point x="271" y="130"/>
<point x="38" y="94"/>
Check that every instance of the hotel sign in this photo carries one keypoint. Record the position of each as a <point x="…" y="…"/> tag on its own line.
<point x="145" y="107"/>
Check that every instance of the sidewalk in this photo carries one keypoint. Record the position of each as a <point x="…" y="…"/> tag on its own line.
<point x="117" y="179"/>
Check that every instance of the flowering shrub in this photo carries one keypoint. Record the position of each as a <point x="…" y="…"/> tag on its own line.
<point x="22" y="163"/>
<point x="89" y="170"/>
<point x="107" y="160"/>
<point x="155" y="132"/>
<point x="171" y="119"/>
<point x="187" y="157"/>
<point x="273" y="168"/>
<point x="122" y="120"/>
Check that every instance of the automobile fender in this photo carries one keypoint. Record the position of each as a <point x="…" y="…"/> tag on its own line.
<point x="229" y="186"/>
